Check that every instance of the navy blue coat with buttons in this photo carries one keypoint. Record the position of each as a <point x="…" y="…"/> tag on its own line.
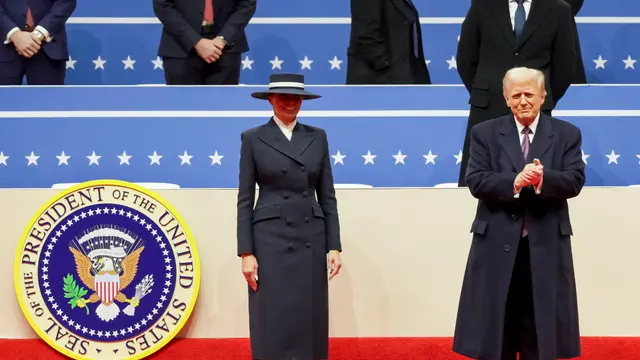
<point x="290" y="230"/>
<point x="496" y="158"/>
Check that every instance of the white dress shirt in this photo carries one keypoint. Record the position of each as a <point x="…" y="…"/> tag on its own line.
<point x="287" y="130"/>
<point x="513" y="6"/>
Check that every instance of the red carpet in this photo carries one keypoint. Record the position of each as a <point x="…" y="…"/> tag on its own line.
<point x="607" y="348"/>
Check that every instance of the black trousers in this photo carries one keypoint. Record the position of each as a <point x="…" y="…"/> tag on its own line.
<point x="519" y="323"/>
<point x="193" y="70"/>
<point x="39" y="70"/>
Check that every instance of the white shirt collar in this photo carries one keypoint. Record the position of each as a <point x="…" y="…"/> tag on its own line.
<point x="287" y="130"/>
<point x="533" y="126"/>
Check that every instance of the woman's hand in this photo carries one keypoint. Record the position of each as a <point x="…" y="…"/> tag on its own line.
<point x="250" y="270"/>
<point x="335" y="264"/>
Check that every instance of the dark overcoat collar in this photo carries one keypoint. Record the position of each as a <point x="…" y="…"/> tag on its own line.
<point x="302" y="137"/>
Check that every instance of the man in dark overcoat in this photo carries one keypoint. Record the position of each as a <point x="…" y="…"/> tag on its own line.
<point x="497" y="35"/>
<point x="519" y="292"/>
<point x="286" y="240"/>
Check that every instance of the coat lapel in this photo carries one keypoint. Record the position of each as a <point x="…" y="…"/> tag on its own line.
<point x="503" y="20"/>
<point x="537" y="14"/>
<point x="294" y="148"/>
<point x="510" y="142"/>
<point x="542" y="140"/>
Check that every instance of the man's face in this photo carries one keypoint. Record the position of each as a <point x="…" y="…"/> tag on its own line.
<point x="525" y="100"/>
<point x="286" y="106"/>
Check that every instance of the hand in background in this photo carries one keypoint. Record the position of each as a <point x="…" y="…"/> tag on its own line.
<point x="250" y="270"/>
<point x="208" y="50"/>
<point x="25" y="44"/>
<point x="335" y="263"/>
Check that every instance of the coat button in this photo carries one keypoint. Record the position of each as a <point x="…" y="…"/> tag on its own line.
<point x="308" y="244"/>
<point x="302" y="168"/>
<point x="284" y="170"/>
<point x="514" y="217"/>
<point x="290" y="247"/>
<point x="306" y="219"/>
<point x="507" y="248"/>
<point x="289" y="222"/>
<point x="304" y="193"/>
<point x="286" y="196"/>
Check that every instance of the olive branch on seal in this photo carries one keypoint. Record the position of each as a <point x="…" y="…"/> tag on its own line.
<point x="74" y="292"/>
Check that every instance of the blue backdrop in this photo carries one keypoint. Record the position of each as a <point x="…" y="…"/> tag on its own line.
<point x="190" y="136"/>
<point x="118" y="30"/>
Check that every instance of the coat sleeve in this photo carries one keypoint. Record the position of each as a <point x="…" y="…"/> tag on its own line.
<point x="567" y="182"/>
<point x="57" y="18"/>
<point x="468" y="54"/>
<point x="238" y="20"/>
<point x="6" y="24"/>
<point x="327" y="199"/>
<point x="563" y="58"/>
<point x="176" y="24"/>
<point x="246" y="197"/>
<point x="483" y="182"/>
<point x="366" y="22"/>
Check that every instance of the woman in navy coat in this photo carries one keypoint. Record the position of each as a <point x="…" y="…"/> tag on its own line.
<point x="289" y="237"/>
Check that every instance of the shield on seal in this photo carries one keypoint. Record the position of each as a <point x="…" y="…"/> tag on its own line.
<point x="107" y="286"/>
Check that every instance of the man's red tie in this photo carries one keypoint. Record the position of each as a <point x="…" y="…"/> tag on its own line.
<point x="208" y="11"/>
<point x="30" y="21"/>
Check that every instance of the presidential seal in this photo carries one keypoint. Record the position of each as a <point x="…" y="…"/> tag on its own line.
<point x="107" y="270"/>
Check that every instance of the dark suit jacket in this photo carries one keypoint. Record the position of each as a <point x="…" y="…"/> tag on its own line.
<point x="580" y="76"/>
<point x="488" y="49"/>
<point x="496" y="158"/>
<point x="380" y="44"/>
<point x="182" y="24"/>
<point x="289" y="232"/>
<point x="50" y="14"/>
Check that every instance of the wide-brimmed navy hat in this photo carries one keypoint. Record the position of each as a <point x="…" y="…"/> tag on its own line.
<point x="285" y="84"/>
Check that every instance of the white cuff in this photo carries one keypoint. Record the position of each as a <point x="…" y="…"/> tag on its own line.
<point x="11" y="32"/>
<point x="44" y="32"/>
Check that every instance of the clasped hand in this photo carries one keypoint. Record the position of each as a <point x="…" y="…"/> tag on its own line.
<point x="530" y="175"/>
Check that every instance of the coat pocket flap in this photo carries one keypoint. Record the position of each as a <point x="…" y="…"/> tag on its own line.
<point x="317" y="211"/>
<point x="479" y="226"/>
<point x="565" y="228"/>
<point x="265" y="213"/>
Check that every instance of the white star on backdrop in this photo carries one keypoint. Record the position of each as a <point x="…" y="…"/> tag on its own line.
<point x="185" y="158"/>
<point x="638" y="156"/>
<point x="128" y="63"/>
<point x="584" y="156"/>
<point x="600" y="62"/>
<point x="458" y="157"/>
<point x="93" y="158"/>
<point x="276" y="63"/>
<point x="71" y="64"/>
<point x="430" y="158"/>
<point x="124" y="158"/>
<point x="629" y="63"/>
<point x="33" y="159"/>
<point x="335" y="63"/>
<point x="399" y="158"/>
<point x="368" y="158"/>
<point x="216" y="158"/>
<point x="99" y="63"/>
<point x="155" y="158"/>
<point x="305" y="63"/>
<point x="63" y="159"/>
<point x="157" y="63"/>
<point x="247" y="63"/>
<point x="453" y="63"/>
<point x="338" y="158"/>
<point x="613" y="158"/>
<point x="3" y="159"/>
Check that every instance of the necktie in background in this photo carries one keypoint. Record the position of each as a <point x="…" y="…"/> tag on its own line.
<point x="519" y="20"/>
<point x="414" y="30"/>
<point x="208" y="11"/>
<point x="30" y="21"/>
<point x="525" y="151"/>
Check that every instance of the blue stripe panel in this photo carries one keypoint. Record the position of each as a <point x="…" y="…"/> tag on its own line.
<point x="202" y="137"/>
<point x="338" y="8"/>
<point x="291" y="43"/>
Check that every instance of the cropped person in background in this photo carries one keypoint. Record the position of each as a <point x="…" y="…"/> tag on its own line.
<point x="203" y="40"/>
<point x="286" y="241"/>
<point x="497" y="35"/>
<point x="519" y="290"/>
<point x="581" y="75"/>
<point x="34" y="41"/>
<point x="386" y="44"/>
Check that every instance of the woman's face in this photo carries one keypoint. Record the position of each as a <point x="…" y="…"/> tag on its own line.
<point x="286" y="106"/>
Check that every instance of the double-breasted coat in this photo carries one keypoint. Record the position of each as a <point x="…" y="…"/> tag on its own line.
<point x="496" y="158"/>
<point x="289" y="231"/>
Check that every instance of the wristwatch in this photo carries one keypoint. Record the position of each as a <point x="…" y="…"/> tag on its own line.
<point x="223" y="39"/>
<point x="39" y="35"/>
